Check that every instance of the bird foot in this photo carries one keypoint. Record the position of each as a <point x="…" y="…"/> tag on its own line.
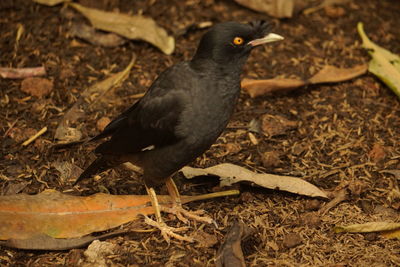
<point x="167" y="231"/>
<point x="183" y="215"/>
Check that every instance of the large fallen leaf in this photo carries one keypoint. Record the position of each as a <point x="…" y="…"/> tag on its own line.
<point x="384" y="64"/>
<point x="275" y="8"/>
<point x="64" y="131"/>
<point x="328" y="74"/>
<point x="230" y="174"/>
<point x="59" y="215"/>
<point x="386" y="229"/>
<point x="132" y="27"/>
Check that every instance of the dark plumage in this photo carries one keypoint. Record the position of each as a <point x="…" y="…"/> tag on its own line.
<point x="185" y="109"/>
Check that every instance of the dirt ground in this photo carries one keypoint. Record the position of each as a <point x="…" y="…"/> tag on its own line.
<point x="347" y="133"/>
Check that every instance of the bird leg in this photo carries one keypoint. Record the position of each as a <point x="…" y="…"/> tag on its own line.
<point x="166" y="231"/>
<point x="177" y="208"/>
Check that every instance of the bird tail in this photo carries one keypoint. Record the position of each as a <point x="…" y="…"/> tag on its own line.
<point x="97" y="166"/>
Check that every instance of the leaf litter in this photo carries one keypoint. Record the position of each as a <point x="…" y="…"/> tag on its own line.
<point x="64" y="131"/>
<point x="362" y="107"/>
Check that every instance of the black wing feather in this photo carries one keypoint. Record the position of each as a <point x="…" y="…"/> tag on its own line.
<point x="151" y="121"/>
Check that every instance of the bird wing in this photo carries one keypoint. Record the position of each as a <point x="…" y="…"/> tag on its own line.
<point x="149" y="123"/>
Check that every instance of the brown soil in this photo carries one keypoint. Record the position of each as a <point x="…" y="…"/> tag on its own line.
<point x="349" y="131"/>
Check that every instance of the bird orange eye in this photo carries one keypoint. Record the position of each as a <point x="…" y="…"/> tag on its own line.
<point x="238" y="40"/>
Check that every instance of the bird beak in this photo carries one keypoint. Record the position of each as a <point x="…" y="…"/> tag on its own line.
<point x="271" y="37"/>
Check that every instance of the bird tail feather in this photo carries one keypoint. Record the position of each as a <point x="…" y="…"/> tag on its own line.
<point x="97" y="166"/>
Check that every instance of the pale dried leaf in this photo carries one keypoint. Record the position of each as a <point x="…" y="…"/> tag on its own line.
<point x="275" y="8"/>
<point x="332" y="74"/>
<point x="132" y="27"/>
<point x="230" y="174"/>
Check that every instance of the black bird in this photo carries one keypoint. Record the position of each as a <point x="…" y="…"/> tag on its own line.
<point x="182" y="114"/>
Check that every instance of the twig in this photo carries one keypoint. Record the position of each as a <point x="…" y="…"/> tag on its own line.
<point x="20" y="73"/>
<point x="33" y="138"/>
<point x="340" y="197"/>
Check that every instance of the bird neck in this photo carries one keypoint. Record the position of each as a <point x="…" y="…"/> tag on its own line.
<point x="201" y="64"/>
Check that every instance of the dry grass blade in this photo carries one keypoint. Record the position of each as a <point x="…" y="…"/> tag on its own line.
<point x="132" y="27"/>
<point x="230" y="174"/>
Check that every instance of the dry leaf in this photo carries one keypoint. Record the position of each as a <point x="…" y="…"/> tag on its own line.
<point x="230" y="253"/>
<point x="384" y="64"/>
<point x="97" y="253"/>
<point x="230" y="174"/>
<point x="386" y="229"/>
<point x="66" y="133"/>
<point x="261" y="87"/>
<point x="92" y="36"/>
<point x="68" y="171"/>
<point x="58" y="215"/>
<point x="328" y="74"/>
<point x="332" y="74"/>
<point x="275" y="8"/>
<point x="273" y="125"/>
<point x="132" y="27"/>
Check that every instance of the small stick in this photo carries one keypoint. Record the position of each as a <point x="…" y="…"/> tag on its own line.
<point x="32" y="138"/>
<point x="20" y="73"/>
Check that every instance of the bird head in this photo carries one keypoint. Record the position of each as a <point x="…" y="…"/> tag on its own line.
<point x="231" y="42"/>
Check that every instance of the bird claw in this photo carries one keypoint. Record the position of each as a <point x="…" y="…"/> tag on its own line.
<point x="168" y="231"/>
<point x="183" y="215"/>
